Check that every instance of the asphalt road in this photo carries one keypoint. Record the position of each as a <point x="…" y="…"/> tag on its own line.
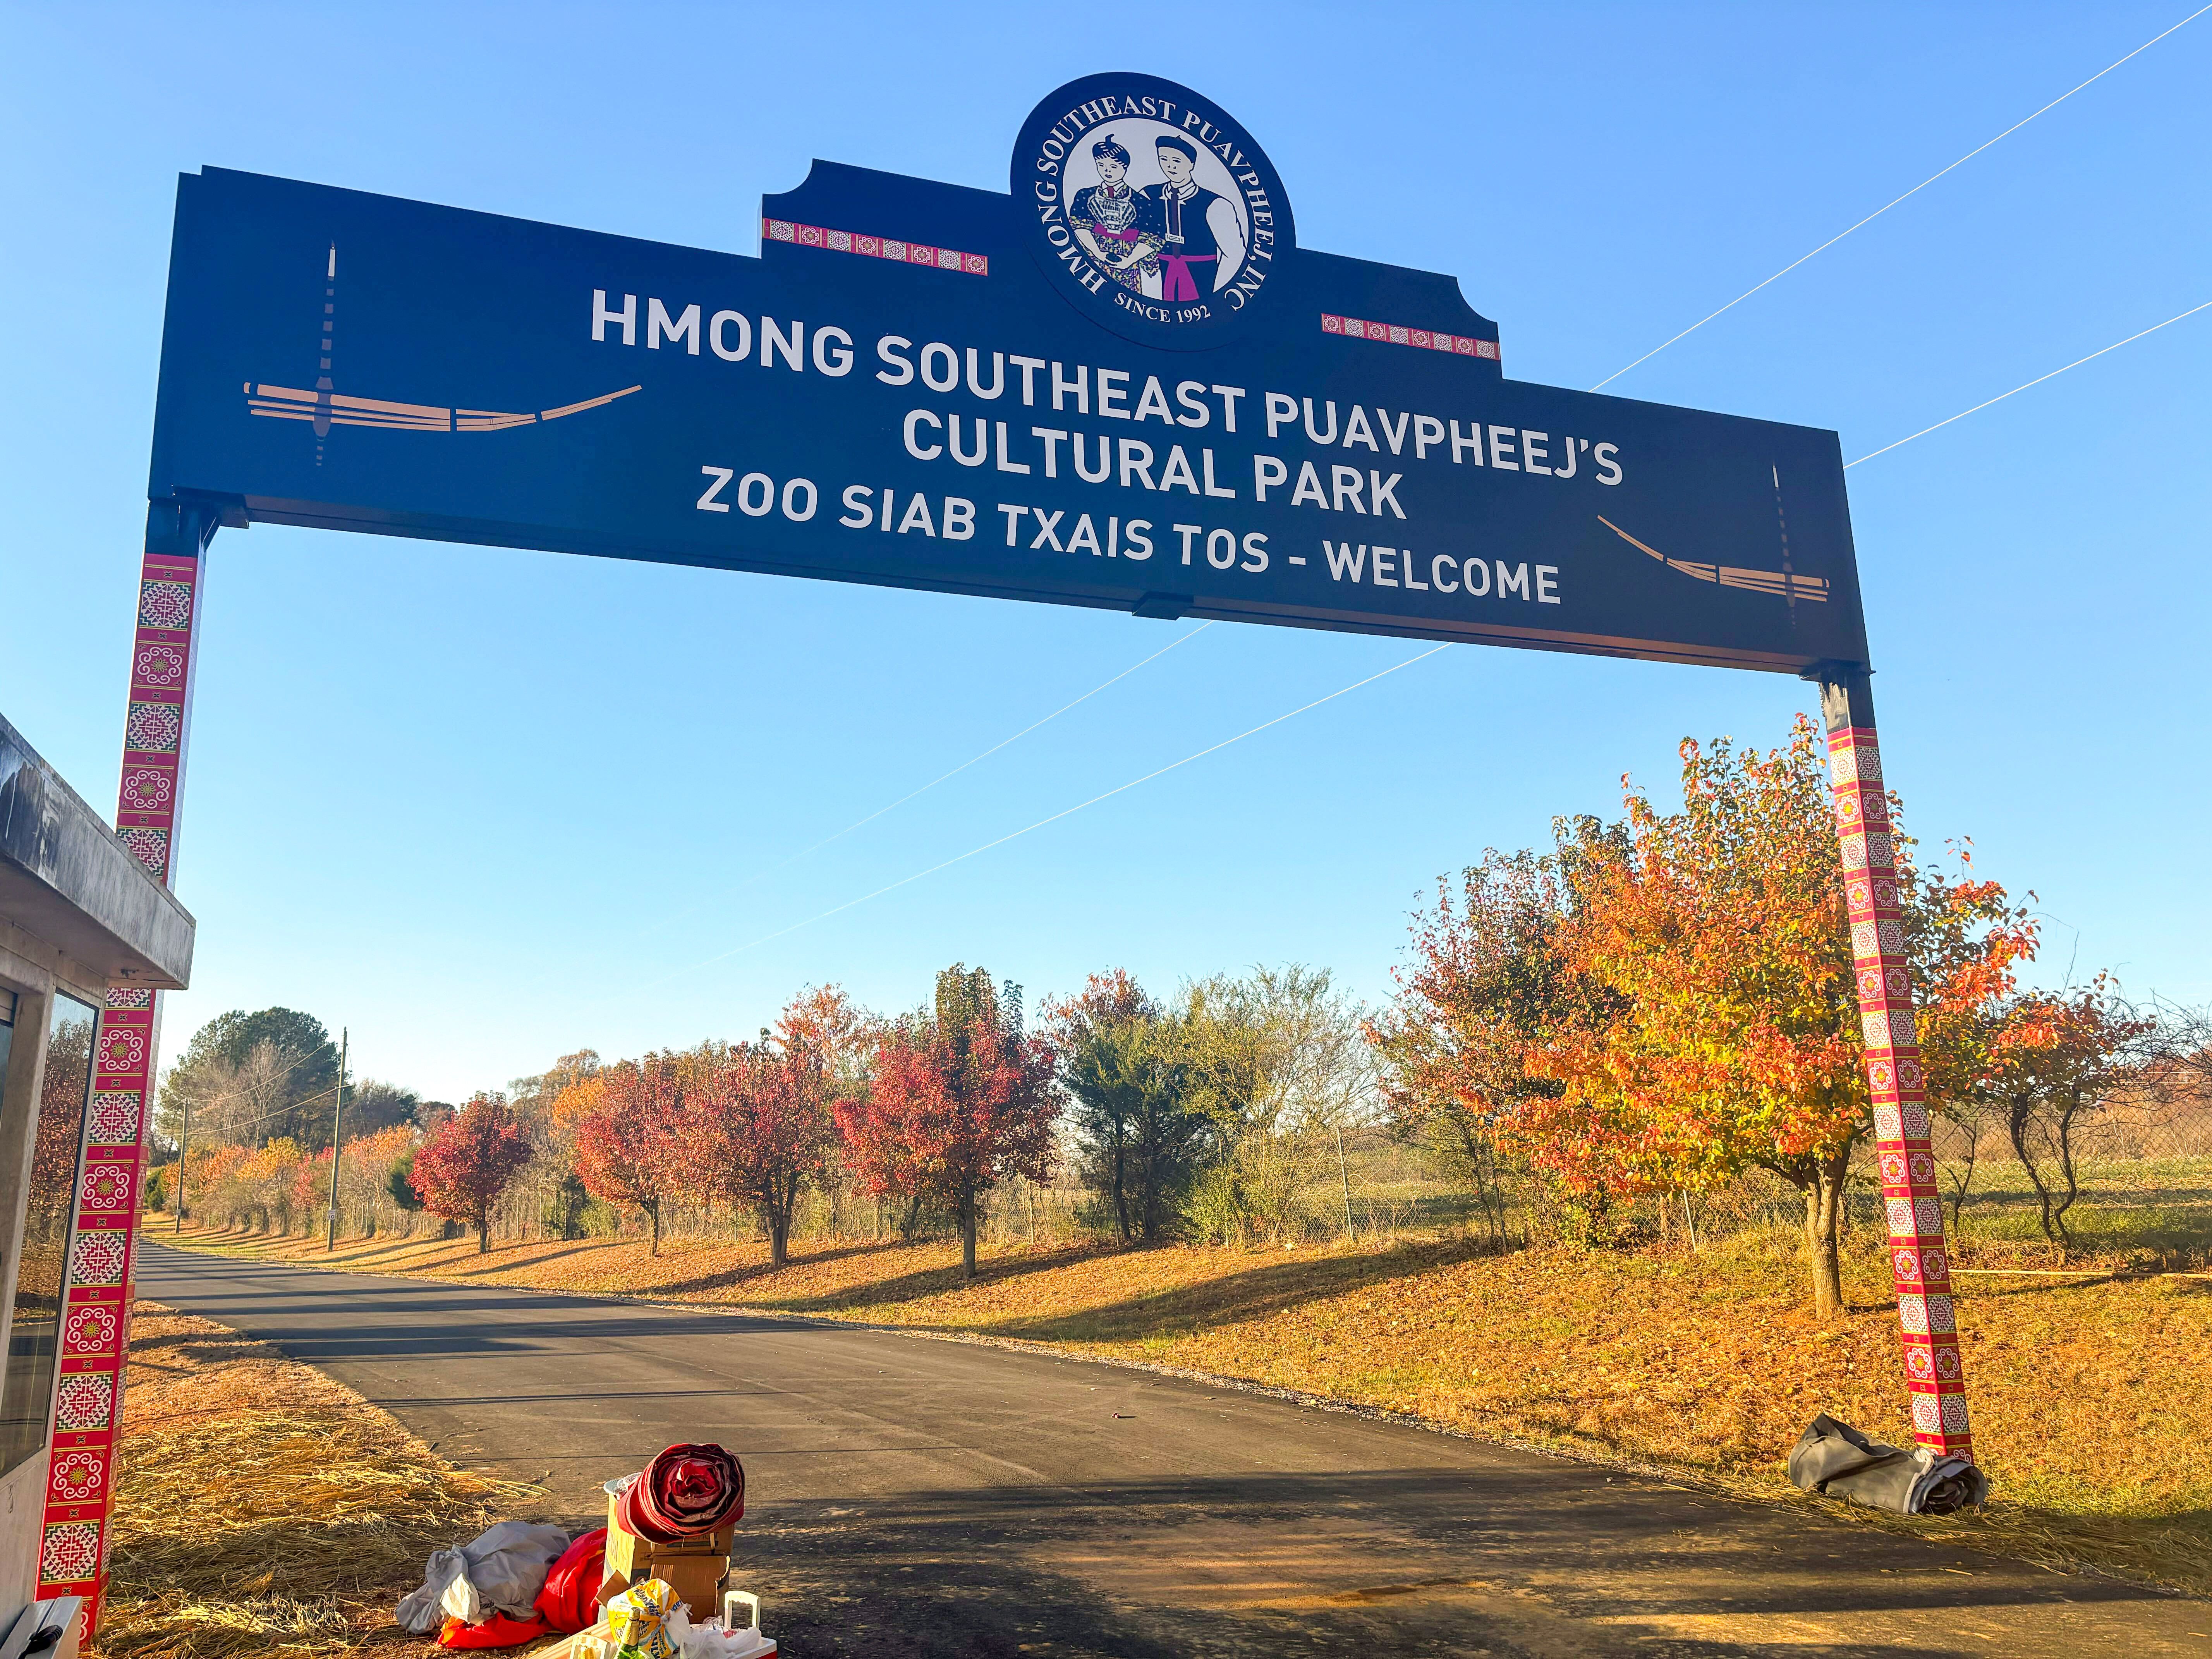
<point x="912" y="1497"/>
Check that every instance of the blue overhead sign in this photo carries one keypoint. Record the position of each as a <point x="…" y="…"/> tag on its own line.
<point x="1123" y="385"/>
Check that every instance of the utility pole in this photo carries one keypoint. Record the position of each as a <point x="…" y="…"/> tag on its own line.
<point x="184" y="1145"/>
<point x="1343" y="1175"/>
<point x="337" y="1130"/>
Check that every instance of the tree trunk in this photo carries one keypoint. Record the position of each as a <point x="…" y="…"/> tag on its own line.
<point x="779" y="1234"/>
<point x="968" y="1236"/>
<point x="2066" y="1169"/>
<point x="484" y="1235"/>
<point x="1963" y="1181"/>
<point x="653" y="1211"/>
<point x="1823" y="1216"/>
<point x="2018" y="1118"/>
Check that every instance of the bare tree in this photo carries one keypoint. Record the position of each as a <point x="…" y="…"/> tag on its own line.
<point x="230" y="1102"/>
<point x="1279" y="1060"/>
<point x="1970" y="1119"/>
<point x="2057" y="1059"/>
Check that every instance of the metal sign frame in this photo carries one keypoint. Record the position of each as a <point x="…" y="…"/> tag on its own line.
<point x="1016" y="396"/>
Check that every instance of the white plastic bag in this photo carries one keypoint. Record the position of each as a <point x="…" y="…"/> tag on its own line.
<point x="710" y="1641"/>
<point x="502" y="1571"/>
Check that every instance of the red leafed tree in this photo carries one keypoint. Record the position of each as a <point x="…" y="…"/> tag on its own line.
<point x="630" y="1147"/>
<point x="960" y="1099"/>
<point x="758" y="1123"/>
<point x="460" y="1171"/>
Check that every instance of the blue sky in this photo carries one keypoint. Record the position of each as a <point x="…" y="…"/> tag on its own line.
<point x="484" y="806"/>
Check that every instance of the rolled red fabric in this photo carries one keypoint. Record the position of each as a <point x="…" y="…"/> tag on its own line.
<point x="569" y="1602"/>
<point x="684" y="1492"/>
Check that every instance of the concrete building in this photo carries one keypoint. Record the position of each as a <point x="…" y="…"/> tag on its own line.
<point x="78" y="912"/>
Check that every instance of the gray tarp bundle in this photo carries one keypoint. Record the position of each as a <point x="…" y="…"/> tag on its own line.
<point x="1836" y="1459"/>
<point x="501" y="1571"/>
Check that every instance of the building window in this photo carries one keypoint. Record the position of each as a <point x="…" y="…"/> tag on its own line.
<point x="26" y="1388"/>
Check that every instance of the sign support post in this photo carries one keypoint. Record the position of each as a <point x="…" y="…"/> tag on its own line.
<point x="1920" y="1264"/>
<point x="95" y="1327"/>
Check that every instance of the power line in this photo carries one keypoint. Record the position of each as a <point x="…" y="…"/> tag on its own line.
<point x="285" y="1109"/>
<point x="311" y="1054"/>
<point x="1886" y="206"/>
<point x="996" y="747"/>
<point x="1055" y="818"/>
<point x="2038" y="380"/>
<point x="277" y="1111"/>
<point x="857" y="823"/>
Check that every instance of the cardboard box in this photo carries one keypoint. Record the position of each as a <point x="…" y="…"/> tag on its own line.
<point x="626" y="1552"/>
<point x="697" y="1582"/>
<point x="633" y="1557"/>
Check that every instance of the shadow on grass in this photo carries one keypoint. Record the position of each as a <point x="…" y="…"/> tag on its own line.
<point x="1253" y="1294"/>
<point x="204" y="1347"/>
<point x="279" y="1247"/>
<point x="922" y="1282"/>
<point x="2090" y="1278"/>
<point x="748" y="1272"/>
<point x="474" y="1266"/>
<point x="371" y="1250"/>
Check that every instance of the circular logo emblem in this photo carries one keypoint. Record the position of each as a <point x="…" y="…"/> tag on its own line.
<point x="1151" y="209"/>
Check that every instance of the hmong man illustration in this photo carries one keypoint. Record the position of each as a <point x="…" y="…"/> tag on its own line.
<point x="1201" y="246"/>
<point x="1117" y="223"/>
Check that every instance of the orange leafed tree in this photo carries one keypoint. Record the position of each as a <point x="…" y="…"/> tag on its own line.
<point x="576" y="1101"/>
<point x="364" y="1179"/>
<point x="1701" y="1014"/>
<point x="311" y="1185"/>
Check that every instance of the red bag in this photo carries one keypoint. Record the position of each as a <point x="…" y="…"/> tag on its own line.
<point x="684" y="1492"/>
<point x="497" y="1632"/>
<point x="569" y="1602"/>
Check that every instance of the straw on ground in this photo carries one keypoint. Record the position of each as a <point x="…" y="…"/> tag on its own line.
<point x="262" y="1508"/>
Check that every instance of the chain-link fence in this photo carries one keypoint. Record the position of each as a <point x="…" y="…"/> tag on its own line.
<point x="2128" y="1183"/>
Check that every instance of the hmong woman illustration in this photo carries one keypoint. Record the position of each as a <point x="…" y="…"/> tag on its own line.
<point x="1202" y="245"/>
<point x="1117" y="224"/>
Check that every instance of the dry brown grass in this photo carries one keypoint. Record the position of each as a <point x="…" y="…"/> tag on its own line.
<point x="2093" y="1399"/>
<point x="262" y="1508"/>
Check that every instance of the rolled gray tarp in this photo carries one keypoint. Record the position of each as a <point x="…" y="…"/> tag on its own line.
<point x="1835" y="1459"/>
